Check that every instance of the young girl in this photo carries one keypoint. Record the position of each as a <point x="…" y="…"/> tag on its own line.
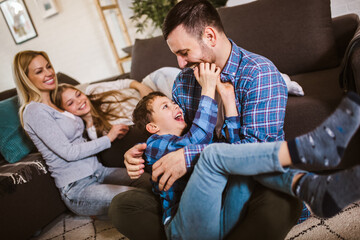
<point x="85" y="185"/>
<point x="103" y="106"/>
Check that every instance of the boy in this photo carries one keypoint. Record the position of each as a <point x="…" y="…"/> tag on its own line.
<point x="165" y="121"/>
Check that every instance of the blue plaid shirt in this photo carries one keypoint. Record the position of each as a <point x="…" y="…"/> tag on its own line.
<point x="158" y="145"/>
<point x="260" y="95"/>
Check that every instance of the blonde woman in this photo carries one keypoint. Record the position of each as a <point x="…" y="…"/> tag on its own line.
<point x="85" y="185"/>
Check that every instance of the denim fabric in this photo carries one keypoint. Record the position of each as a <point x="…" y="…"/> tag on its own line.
<point x="91" y="196"/>
<point x="200" y="211"/>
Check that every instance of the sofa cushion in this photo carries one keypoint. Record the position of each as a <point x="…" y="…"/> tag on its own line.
<point x="63" y="78"/>
<point x="149" y="55"/>
<point x="299" y="39"/>
<point x="14" y="143"/>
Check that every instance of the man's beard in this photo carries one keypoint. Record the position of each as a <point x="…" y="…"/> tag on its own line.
<point x="208" y="56"/>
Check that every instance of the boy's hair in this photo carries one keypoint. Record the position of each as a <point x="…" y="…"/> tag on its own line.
<point x="143" y="111"/>
<point x="194" y="15"/>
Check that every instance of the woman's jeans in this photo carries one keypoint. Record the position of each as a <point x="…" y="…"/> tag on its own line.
<point x="91" y="196"/>
<point x="207" y="212"/>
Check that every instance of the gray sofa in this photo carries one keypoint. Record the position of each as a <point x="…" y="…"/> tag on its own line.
<point x="299" y="36"/>
<point x="302" y="40"/>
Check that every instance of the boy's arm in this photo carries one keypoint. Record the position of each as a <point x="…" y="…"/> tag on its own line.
<point x="201" y="132"/>
<point x="232" y="119"/>
<point x="203" y="126"/>
<point x="232" y="129"/>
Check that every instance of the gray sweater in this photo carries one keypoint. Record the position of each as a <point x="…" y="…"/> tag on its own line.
<point x="60" y="140"/>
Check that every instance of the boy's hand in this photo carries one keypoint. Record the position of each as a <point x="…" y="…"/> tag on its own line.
<point x="171" y="167"/>
<point x="227" y="93"/>
<point x="133" y="161"/>
<point x="207" y="74"/>
<point x="224" y="88"/>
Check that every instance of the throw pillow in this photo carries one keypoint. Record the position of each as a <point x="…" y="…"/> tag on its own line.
<point x="293" y="87"/>
<point x="14" y="143"/>
<point x="162" y="80"/>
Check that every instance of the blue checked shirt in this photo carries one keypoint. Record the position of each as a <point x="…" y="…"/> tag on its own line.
<point x="200" y="133"/>
<point x="260" y="95"/>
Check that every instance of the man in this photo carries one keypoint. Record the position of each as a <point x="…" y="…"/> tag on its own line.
<point x="194" y="33"/>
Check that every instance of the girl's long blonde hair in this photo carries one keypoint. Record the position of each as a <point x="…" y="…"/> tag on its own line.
<point x="103" y="106"/>
<point x="26" y="90"/>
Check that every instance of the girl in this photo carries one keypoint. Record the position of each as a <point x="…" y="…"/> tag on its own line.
<point x="102" y="106"/>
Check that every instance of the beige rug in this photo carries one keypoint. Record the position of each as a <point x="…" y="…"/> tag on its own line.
<point x="345" y="225"/>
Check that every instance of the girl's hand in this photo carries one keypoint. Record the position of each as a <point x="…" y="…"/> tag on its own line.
<point x="207" y="75"/>
<point x="88" y="120"/>
<point x="117" y="131"/>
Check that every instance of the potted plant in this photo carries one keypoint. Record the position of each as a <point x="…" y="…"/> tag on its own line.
<point x="154" y="12"/>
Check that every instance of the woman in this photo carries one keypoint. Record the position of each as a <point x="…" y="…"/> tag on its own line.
<point x="85" y="185"/>
<point x="103" y="106"/>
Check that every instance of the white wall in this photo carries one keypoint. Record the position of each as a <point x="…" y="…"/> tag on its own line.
<point x="76" y="42"/>
<point x="74" y="39"/>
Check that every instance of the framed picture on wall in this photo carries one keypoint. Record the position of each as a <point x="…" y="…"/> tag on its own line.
<point x="47" y="7"/>
<point x="18" y="20"/>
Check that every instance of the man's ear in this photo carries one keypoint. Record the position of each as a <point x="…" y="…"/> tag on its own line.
<point x="152" y="128"/>
<point x="210" y="36"/>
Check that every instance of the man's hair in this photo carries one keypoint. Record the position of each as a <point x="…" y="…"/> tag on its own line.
<point x="142" y="114"/>
<point x="194" y="15"/>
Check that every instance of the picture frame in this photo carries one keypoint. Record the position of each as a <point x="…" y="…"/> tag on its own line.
<point x="48" y="8"/>
<point x="18" y="20"/>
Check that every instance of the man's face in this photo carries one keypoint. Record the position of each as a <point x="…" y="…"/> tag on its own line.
<point x="167" y="116"/>
<point x="188" y="49"/>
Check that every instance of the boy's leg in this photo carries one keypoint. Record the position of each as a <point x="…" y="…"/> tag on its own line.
<point x="328" y="194"/>
<point x="207" y="182"/>
<point x="324" y="147"/>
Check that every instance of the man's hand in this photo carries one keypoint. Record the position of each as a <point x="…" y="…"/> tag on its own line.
<point x="171" y="167"/>
<point x="134" y="162"/>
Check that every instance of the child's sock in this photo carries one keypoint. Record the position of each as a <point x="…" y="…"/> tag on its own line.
<point x="328" y="195"/>
<point x="323" y="147"/>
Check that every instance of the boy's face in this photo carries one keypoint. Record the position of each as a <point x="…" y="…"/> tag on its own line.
<point x="167" y="117"/>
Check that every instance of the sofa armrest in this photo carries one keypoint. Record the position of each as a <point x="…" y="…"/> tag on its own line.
<point x="355" y="67"/>
<point x="344" y="30"/>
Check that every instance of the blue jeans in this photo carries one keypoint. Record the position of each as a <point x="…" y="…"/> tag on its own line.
<point x="203" y="212"/>
<point x="91" y="196"/>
